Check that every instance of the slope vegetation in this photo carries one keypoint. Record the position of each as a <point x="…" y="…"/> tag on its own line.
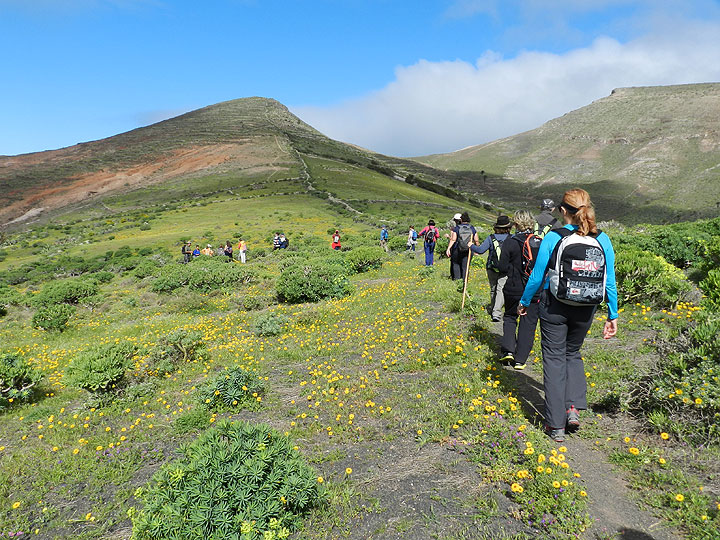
<point x="652" y="150"/>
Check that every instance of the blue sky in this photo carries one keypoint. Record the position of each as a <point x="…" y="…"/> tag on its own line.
<point x="400" y="77"/>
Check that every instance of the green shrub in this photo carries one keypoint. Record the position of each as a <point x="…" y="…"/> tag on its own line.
<point x="145" y="268"/>
<point x="232" y="388"/>
<point x="203" y="274"/>
<point x="397" y="243"/>
<point x="69" y="291"/>
<point x="236" y="481"/>
<point x="647" y="278"/>
<point x="17" y="379"/>
<point x="270" y="324"/>
<point x="9" y="296"/>
<point x="363" y="259"/>
<point x="173" y="349"/>
<point x="53" y="317"/>
<point x="311" y="282"/>
<point x="102" y="368"/>
<point x="103" y="276"/>
<point x="711" y="288"/>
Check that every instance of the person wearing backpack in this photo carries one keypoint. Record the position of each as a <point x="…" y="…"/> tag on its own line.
<point x="430" y="236"/>
<point x="493" y="245"/>
<point x="518" y="257"/>
<point x="186" y="252"/>
<point x="545" y="221"/>
<point x="336" y="240"/>
<point x="412" y="238"/>
<point x="462" y="237"/>
<point x="384" y="236"/>
<point x="575" y="271"/>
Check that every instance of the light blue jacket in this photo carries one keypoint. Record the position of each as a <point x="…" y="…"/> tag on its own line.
<point x="539" y="276"/>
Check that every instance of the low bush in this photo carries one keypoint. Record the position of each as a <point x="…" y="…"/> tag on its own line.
<point x="68" y="291"/>
<point x="9" y="296"/>
<point x="103" y="276"/>
<point x="232" y="388"/>
<point x="397" y="243"/>
<point x="647" y="278"/>
<point x="312" y="282"/>
<point x="270" y="324"/>
<point x="173" y="349"/>
<point x="203" y="274"/>
<point x="711" y="289"/>
<point x="53" y="317"/>
<point x="17" y="380"/>
<point x="367" y="258"/>
<point x="236" y="480"/>
<point x="100" y="369"/>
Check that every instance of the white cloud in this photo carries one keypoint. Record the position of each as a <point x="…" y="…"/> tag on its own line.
<point x="434" y="107"/>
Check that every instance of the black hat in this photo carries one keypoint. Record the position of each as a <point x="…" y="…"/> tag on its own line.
<point x="502" y="222"/>
<point x="547" y="204"/>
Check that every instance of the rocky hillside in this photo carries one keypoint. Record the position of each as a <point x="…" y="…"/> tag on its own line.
<point x="650" y="150"/>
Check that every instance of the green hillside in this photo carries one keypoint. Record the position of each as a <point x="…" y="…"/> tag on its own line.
<point x="647" y="152"/>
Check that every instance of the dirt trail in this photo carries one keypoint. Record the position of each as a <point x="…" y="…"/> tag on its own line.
<point x="611" y="503"/>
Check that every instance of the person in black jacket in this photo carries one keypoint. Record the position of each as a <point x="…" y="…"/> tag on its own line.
<point x="516" y="261"/>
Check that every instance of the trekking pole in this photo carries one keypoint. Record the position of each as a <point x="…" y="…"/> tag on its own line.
<point x="467" y="273"/>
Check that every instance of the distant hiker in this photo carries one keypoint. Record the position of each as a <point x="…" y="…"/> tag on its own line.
<point x="284" y="243"/>
<point x="228" y="251"/>
<point x="462" y="237"/>
<point x="545" y="221"/>
<point x="575" y="271"/>
<point x="208" y="250"/>
<point x="384" y="236"/>
<point x="430" y="235"/>
<point x="518" y="257"/>
<point x="335" y="240"/>
<point x="220" y="251"/>
<point x="276" y="241"/>
<point x="196" y="251"/>
<point x="452" y="224"/>
<point x="186" y="252"/>
<point x="242" y="250"/>
<point x="493" y="245"/>
<point x="412" y="238"/>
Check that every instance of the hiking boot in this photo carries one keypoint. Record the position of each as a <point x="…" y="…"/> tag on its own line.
<point x="557" y="435"/>
<point x="508" y="358"/>
<point x="573" y="418"/>
<point x="518" y="366"/>
<point x="496" y="319"/>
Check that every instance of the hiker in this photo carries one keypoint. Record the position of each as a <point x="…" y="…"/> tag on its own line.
<point x="384" y="238"/>
<point x="430" y="235"/>
<point x="575" y="271"/>
<point x="242" y="250"/>
<point x="284" y="243"/>
<point x="451" y="225"/>
<point x="208" y="250"/>
<point x="335" y="244"/>
<point x="517" y="259"/>
<point x="220" y="251"/>
<point x="228" y="251"/>
<point x="276" y="241"/>
<point x="186" y="252"/>
<point x="196" y="251"/>
<point x="462" y="237"/>
<point x="545" y="221"/>
<point x="493" y="245"/>
<point x="412" y="238"/>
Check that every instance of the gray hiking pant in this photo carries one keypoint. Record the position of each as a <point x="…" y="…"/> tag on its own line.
<point x="497" y="299"/>
<point x="563" y="329"/>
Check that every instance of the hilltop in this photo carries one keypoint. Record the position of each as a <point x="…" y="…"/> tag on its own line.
<point x="652" y="152"/>
<point x="234" y="147"/>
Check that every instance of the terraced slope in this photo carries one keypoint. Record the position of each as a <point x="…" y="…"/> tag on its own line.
<point x="648" y="150"/>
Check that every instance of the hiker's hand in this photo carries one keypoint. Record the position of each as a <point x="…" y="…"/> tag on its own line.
<point x="522" y="310"/>
<point x="610" y="329"/>
<point x="447" y="253"/>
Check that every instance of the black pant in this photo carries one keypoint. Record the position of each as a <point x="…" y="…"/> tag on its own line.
<point x="458" y="263"/>
<point x="521" y="345"/>
<point x="563" y="329"/>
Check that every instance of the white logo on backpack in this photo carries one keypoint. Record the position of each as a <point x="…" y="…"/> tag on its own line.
<point x="578" y="273"/>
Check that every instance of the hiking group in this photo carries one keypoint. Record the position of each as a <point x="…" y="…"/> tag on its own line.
<point x="557" y="272"/>
<point x="208" y="251"/>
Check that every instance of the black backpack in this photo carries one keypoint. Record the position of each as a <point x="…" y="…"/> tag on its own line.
<point x="430" y="235"/>
<point x="494" y="253"/>
<point x="529" y="247"/>
<point x="464" y="236"/>
<point x="578" y="269"/>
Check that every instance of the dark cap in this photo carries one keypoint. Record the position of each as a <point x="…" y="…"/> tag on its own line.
<point x="502" y="222"/>
<point x="547" y="204"/>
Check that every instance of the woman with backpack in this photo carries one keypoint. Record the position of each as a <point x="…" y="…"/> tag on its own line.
<point x="517" y="259"/>
<point x="575" y="271"/>
<point x="493" y="245"/>
<point x="462" y="237"/>
<point x="335" y="243"/>
<point x="430" y="235"/>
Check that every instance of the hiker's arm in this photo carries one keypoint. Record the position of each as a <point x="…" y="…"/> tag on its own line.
<point x="538" y="274"/>
<point x="610" y="283"/>
<point x="453" y="238"/>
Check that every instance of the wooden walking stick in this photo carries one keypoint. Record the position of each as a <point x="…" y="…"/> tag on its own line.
<point x="467" y="273"/>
